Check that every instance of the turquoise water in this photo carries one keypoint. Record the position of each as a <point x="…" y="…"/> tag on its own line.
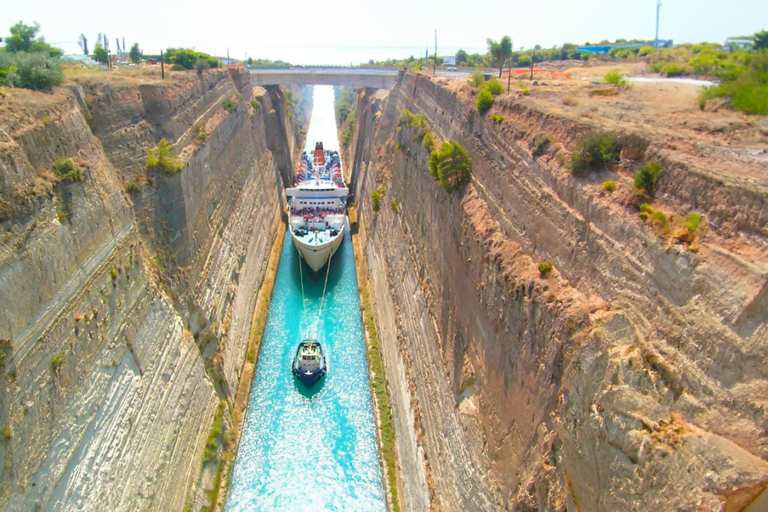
<point x="310" y="449"/>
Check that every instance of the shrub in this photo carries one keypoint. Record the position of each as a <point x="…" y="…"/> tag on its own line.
<point x="37" y="71"/>
<point x="198" y="130"/>
<point x="477" y="79"/>
<point x="7" y="434"/>
<point x="66" y="170"/>
<point x="616" y="78"/>
<point x="395" y="207"/>
<point x="183" y="58"/>
<point x="212" y="444"/>
<point x="645" y="50"/>
<point x="177" y="67"/>
<point x="745" y="85"/>
<point x="428" y="142"/>
<point x="375" y="200"/>
<point x="57" y="361"/>
<point x="255" y="104"/>
<point x="164" y="156"/>
<point x="413" y="120"/>
<point x="494" y="86"/>
<point x="540" y="144"/>
<point x="497" y="118"/>
<point x="672" y="69"/>
<point x="451" y="164"/>
<point x="594" y="151"/>
<point x="484" y="101"/>
<point x="692" y="221"/>
<point x="646" y="178"/>
<point x="201" y="65"/>
<point x="660" y="220"/>
<point x="229" y="105"/>
<point x="609" y="185"/>
<point x="526" y="92"/>
<point x="545" y="268"/>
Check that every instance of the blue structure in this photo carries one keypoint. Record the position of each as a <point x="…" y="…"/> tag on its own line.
<point x="663" y="43"/>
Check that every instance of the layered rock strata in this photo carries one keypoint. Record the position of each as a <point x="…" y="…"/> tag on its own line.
<point x="128" y="295"/>
<point x="632" y="376"/>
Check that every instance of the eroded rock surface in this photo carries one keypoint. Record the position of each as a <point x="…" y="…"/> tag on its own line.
<point x="128" y="295"/>
<point x="632" y="377"/>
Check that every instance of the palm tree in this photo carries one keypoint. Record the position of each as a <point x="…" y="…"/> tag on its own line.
<point x="500" y="51"/>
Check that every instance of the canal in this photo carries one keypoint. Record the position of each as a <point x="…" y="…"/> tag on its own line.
<point x="311" y="449"/>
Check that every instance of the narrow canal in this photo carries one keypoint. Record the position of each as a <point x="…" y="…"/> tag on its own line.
<point x="311" y="450"/>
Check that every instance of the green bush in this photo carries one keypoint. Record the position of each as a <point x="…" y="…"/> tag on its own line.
<point x="477" y="79"/>
<point x="413" y="120"/>
<point x="36" y="71"/>
<point x="484" y="101"/>
<point x="745" y="85"/>
<point x="66" y="170"/>
<point x="595" y="151"/>
<point x="672" y="69"/>
<point x="198" y="130"/>
<point x="255" y="104"/>
<point x="646" y="178"/>
<point x="57" y="361"/>
<point x="428" y="142"/>
<point x="540" y="144"/>
<point x="201" y="65"/>
<point x="183" y="58"/>
<point x="375" y="200"/>
<point x="229" y="105"/>
<point x="7" y="434"/>
<point x="497" y="118"/>
<point x="526" y="92"/>
<point x="692" y="221"/>
<point x="494" y="86"/>
<point x="395" y="207"/>
<point x="609" y="185"/>
<point x="212" y="444"/>
<point x="644" y="51"/>
<point x="164" y="156"/>
<point x="616" y="78"/>
<point x="451" y="164"/>
<point x="545" y="268"/>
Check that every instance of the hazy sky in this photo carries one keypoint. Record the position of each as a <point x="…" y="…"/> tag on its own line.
<point x="346" y="31"/>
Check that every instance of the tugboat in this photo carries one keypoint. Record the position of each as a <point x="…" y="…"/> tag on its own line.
<point x="309" y="364"/>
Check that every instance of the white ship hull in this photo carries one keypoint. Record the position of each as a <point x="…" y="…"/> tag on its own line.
<point x="317" y="255"/>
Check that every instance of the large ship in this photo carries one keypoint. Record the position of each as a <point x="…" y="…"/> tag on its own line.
<point x="318" y="206"/>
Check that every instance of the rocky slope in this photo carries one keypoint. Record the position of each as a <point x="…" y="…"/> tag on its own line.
<point x="631" y="377"/>
<point x="127" y="315"/>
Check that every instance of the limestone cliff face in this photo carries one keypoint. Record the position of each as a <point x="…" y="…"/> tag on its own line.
<point x="126" y="316"/>
<point x="631" y="377"/>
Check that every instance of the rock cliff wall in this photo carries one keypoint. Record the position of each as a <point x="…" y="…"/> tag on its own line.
<point x="128" y="295"/>
<point x="633" y="376"/>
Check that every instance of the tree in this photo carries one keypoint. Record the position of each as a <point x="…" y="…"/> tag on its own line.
<point x="461" y="57"/>
<point x="501" y="51"/>
<point x="454" y="166"/>
<point x="82" y="42"/>
<point x="100" y="54"/>
<point x="761" y="40"/>
<point x="22" y="39"/>
<point x="135" y="54"/>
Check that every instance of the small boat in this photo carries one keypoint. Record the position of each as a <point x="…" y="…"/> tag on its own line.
<point x="309" y="364"/>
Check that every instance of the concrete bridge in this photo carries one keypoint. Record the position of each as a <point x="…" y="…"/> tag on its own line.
<point x="352" y="77"/>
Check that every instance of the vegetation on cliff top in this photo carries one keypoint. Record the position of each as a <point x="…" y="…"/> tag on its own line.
<point x="184" y="58"/>
<point x="28" y="62"/>
<point x="594" y="152"/>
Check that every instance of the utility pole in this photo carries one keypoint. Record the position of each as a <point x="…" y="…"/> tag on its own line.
<point x="434" y="64"/>
<point x="162" y="65"/>
<point x="533" y="59"/>
<point x="509" y="75"/>
<point x="426" y="59"/>
<point x="656" y="41"/>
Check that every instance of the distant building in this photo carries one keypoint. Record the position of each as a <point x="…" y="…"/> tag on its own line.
<point x="605" y="48"/>
<point x="733" y="44"/>
<point x="449" y="60"/>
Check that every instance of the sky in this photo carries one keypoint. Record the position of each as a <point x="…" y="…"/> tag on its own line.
<point x="343" y="32"/>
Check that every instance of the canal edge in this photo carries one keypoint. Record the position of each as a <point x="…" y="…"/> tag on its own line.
<point x="258" y="324"/>
<point x="380" y="394"/>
